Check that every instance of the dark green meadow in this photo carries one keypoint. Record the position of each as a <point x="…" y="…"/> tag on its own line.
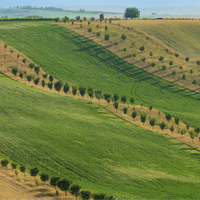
<point x="79" y="61"/>
<point x="80" y="140"/>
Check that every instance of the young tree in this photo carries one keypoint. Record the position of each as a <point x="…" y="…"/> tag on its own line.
<point x="143" y="117"/>
<point x="184" y="77"/>
<point x="171" y="62"/>
<point x="64" y="184"/>
<point x="98" y="94"/>
<point x="89" y="22"/>
<point x="86" y="194"/>
<point x="50" y="85"/>
<point x="143" y="59"/>
<point x="85" y="18"/>
<point x="116" y="43"/>
<point x="174" y="72"/>
<point x="44" y="177"/>
<point x="45" y="75"/>
<point x="11" y="50"/>
<point x="31" y="65"/>
<point x="177" y="55"/>
<point x="116" y="105"/>
<point x="43" y="83"/>
<point x="72" y="21"/>
<point x="123" y="99"/>
<point x="5" y="46"/>
<point x="21" y="75"/>
<point x="107" y="37"/>
<point x="54" y="180"/>
<point x="75" y="190"/>
<point x="183" y="131"/>
<point x="116" y="97"/>
<point x="58" y="85"/>
<point x="172" y="129"/>
<point x="24" y="60"/>
<point x="152" y="122"/>
<point x="37" y="70"/>
<point x="187" y="59"/>
<point x="168" y="117"/>
<point x="5" y="163"/>
<point x="98" y="34"/>
<point x="100" y="196"/>
<point x="29" y="77"/>
<point x="153" y="64"/>
<point x="132" y="13"/>
<point x="161" y="58"/>
<point x="77" y="18"/>
<point x="150" y="108"/>
<point x="125" y="49"/>
<point x="125" y="110"/>
<point x="151" y="54"/>
<point x="57" y="19"/>
<point x="192" y="135"/>
<point x="15" y="70"/>
<point x="51" y="78"/>
<point x="89" y="30"/>
<point x="187" y="127"/>
<point x="134" y="54"/>
<point x="164" y="67"/>
<point x="82" y="90"/>
<point x="17" y="55"/>
<point x="142" y="48"/>
<point x="106" y="28"/>
<point x="22" y="169"/>
<point x="132" y="100"/>
<point x="74" y="90"/>
<point x="191" y="72"/>
<point x="34" y="172"/>
<point x="177" y="121"/>
<point x="134" y="114"/>
<point x="90" y="92"/>
<point x="37" y="80"/>
<point x="123" y="37"/>
<point x="181" y="68"/>
<point x="198" y="62"/>
<point x="107" y="96"/>
<point x="108" y="101"/>
<point x="163" y="125"/>
<point x="66" y="88"/>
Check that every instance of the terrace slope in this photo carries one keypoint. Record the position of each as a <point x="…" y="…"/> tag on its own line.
<point x="101" y="152"/>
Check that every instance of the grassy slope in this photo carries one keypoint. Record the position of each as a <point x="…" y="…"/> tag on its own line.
<point x="77" y="60"/>
<point x="181" y="35"/>
<point x="78" y="139"/>
<point x="44" y="13"/>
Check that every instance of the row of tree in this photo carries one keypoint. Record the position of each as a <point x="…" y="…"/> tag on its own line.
<point x="63" y="184"/>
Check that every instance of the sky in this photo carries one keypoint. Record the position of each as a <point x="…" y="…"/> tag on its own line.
<point x="128" y="3"/>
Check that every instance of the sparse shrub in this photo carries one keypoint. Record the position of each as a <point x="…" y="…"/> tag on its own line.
<point x="11" y="50"/>
<point x="44" y="177"/>
<point x="198" y="62"/>
<point x="167" y="50"/>
<point x="181" y="67"/>
<point x="147" y="37"/>
<point x="125" y="49"/>
<point x="191" y="71"/>
<point x="174" y="72"/>
<point x="22" y="169"/>
<point x="116" y="43"/>
<point x="86" y="194"/>
<point x="34" y="172"/>
<point x="106" y="28"/>
<point x="44" y="75"/>
<point x="133" y="43"/>
<point x="14" y="165"/>
<point x="17" y="55"/>
<point x="81" y="25"/>
<point x="29" y="77"/>
<point x="24" y="60"/>
<point x="151" y="53"/>
<point x="5" y="163"/>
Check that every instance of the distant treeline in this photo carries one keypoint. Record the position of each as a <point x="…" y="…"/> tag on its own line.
<point x="27" y="19"/>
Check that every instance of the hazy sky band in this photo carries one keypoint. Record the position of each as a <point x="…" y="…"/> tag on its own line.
<point x="128" y="3"/>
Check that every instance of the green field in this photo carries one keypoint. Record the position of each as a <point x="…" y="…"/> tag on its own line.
<point x="78" y="139"/>
<point x="11" y="13"/>
<point x="79" y="61"/>
<point x="181" y="35"/>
